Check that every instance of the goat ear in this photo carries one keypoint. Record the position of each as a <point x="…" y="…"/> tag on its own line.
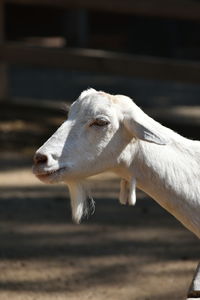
<point x="146" y="129"/>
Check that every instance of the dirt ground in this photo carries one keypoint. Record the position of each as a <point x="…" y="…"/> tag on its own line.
<point x="119" y="253"/>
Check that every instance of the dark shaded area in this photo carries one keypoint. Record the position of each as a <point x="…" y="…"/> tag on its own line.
<point x="50" y="205"/>
<point x="36" y="226"/>
<point x="41" y="85"/>
<point x="154" y="36"/>
<point x="118" y="32"/>
<point x="25" y="126"/>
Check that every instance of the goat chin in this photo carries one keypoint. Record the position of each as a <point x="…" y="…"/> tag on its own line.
<point x="82" y="203"/>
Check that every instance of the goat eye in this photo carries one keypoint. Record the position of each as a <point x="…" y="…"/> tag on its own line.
<point x="99" y="122"/>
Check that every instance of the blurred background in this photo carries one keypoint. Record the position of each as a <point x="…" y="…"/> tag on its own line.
<point x="49" y="52"/>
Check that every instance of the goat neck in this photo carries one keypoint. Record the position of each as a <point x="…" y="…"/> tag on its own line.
<point x="171" y="175"/>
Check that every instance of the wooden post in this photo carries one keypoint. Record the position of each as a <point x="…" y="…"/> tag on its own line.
<point x="3" y="66"/>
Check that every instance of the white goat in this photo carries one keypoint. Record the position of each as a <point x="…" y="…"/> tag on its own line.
<point x="105" y="132"/>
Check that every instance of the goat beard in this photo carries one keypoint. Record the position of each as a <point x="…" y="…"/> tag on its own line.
<point x="82" y="204"/>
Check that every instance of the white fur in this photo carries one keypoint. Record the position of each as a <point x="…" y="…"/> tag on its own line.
<point x="162" y="163"/>
<point x="81" y="206"/>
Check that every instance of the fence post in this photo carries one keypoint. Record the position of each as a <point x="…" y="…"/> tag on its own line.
<point x="3" y="66"/>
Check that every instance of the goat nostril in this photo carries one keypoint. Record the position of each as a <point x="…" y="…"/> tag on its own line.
<point x="40" y="158"/>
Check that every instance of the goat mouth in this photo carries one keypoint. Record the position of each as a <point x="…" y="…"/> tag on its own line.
<point x="51" y="176"/>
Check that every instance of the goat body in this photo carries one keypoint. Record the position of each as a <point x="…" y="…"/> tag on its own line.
<point x="105" y="132"/>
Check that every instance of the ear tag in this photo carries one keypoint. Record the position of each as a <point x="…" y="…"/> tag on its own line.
<point x="127" y="192"/>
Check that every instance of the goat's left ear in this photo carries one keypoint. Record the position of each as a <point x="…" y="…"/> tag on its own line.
<point x="145" y="128"/>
